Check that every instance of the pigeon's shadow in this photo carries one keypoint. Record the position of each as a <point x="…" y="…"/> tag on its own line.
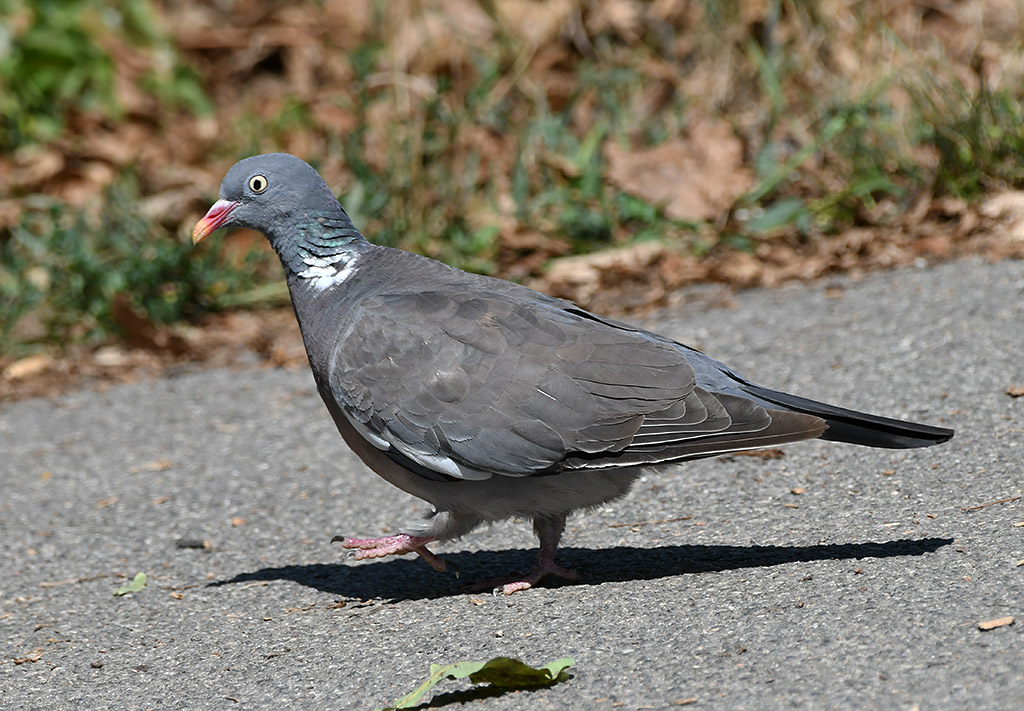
<point x="411" y="579"/>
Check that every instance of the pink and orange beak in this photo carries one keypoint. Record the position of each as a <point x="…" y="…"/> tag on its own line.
<point x="216" y="216"/>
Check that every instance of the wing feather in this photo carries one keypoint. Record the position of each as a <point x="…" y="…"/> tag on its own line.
<point x="472" y="384"/>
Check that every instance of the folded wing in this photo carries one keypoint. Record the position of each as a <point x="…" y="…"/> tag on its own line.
<point x="472" y="385"/>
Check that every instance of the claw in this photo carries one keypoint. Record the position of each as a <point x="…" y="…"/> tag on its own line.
<point x="517" y="583"/>
<point x="549" y="530"/>
<point x="363" y="548"/>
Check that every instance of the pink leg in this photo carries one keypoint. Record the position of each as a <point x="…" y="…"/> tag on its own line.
<point x="549" y="530"/>
<point x="393" y="545"/>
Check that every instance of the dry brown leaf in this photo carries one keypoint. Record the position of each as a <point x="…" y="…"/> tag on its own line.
<point x="938" y="245"/>
<point x="696" y="179"/>
<point x="740" y="269"/>
<point x="328" y="115"/>
<point x="168" y="207"/>
<point x="28" y="367"/>
<point x="1015" y="391"/>
<point x="356" y="16"/>
<point x="34" y="165"/>
<point x="950" y="206"/>
<point x="996" y="623"/>
<point x="536" y="22"/>
<point x="111" y="357"/>
<point x="582" y="278"/>
<point x="431" y="38"/>
<point x="619" y="16"/>
<point x="140" y="331"/>
<point x="1008" y="205"/>
<point x="117" y="148"/>
<point x="524" y="252"/>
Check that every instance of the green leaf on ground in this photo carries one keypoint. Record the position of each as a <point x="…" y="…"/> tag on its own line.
<point x="137" y="583"/>
<point x="501" y="672"/>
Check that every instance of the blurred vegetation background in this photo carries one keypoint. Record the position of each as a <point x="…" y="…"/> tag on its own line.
<point x="682" y="140"/>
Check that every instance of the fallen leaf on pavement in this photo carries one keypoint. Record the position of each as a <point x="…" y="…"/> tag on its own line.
<point x="137" y="583"/>
<point x="501" y="672"/>
<point x="997" y="622"/>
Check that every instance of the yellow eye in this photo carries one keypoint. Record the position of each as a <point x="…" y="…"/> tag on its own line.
<point x="258" y="183"/>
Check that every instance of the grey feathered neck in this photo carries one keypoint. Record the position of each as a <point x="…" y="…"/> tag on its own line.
<point x="318" y="243"/>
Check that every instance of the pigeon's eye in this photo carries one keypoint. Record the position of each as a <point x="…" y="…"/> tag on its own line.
<point x="258" y="183"/>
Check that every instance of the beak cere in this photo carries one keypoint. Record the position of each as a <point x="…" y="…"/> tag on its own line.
<point x="215" y="217"/>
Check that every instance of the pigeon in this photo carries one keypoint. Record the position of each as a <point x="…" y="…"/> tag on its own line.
<point x="489" y="400"/>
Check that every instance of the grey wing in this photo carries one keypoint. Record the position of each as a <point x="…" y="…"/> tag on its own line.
<point x="471" y="384"/>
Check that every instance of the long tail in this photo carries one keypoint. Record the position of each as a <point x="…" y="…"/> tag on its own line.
<point x="852" y="426"/>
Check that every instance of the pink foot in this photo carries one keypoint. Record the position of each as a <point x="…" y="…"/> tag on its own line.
<point x="549" y="530"/>
<point x="393" y="545"/>
<point x="516" y="583"/>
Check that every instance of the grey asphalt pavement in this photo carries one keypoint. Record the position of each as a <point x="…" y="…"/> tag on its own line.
<point x="833" y="577"/>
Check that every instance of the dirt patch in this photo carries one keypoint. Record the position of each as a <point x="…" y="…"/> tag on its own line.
<point x="239" y="339"/>
<point x="650" y="274"/>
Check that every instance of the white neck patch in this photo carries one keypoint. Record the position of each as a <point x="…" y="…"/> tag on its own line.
<point x="326" y="272"/>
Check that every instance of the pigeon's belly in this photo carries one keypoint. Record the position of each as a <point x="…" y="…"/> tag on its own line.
<point x="499" y="497"/>
<point x="502" y="497"/>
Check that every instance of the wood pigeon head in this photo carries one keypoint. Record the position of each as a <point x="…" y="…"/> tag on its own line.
<point x="271" y="193"/>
